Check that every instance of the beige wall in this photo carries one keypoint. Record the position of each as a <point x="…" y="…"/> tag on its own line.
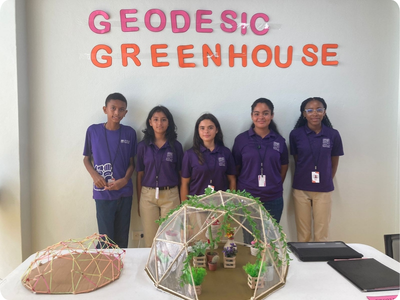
<point x="51" y="93"/>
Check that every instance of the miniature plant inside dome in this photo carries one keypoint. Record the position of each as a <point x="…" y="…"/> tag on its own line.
<point x="230" y="251"/>
<point x="198" y="249"/>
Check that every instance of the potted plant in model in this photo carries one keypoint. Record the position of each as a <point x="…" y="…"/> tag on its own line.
<point x="230" y="256"/>
<point x="253" y="249"/>
<point x="212" y="265"/>
<point x="212" y="244"/>
<point x="198" y="278"/>
<point x="213" y="231"/>
<point x="253" y="271"/>
<point x="198" y="251"/>
<point x="229" y="233"/>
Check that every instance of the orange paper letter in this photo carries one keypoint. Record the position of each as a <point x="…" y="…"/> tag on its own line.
<point x="107" y="58"/>
<point x="132" y="55"/>
<point x="155" y="55"/>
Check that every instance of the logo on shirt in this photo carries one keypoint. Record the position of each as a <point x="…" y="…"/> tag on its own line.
<point x="276" y="146"/>
<point x="125" y="141"/>
<point x="326" y="143"/>
<point x="170" y="157"/>
<point x="105" y="171"/>
<point x="221" y="161"/>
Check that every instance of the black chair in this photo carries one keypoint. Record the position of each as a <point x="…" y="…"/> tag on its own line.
<point x="392" y="245"/>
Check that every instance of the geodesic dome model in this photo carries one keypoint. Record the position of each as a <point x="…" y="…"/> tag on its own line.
<point x="209" y="218"/>
<point x="74" y="266"/>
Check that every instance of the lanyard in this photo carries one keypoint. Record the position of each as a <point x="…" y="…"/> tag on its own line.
<point x="208" y="167"/>
<point x="315" y="158"/>
<point x="158" y="168"/>
<point x="259" y="154"/>
<point x="112" y="161"/>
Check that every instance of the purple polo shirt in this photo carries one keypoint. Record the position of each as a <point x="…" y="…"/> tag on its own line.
<point x="111" y="151"/>
<point x="162" y="161"/>
<point x="217" y="165"/>
<point x="249" y="149"/>
<point x="314" y="150"/>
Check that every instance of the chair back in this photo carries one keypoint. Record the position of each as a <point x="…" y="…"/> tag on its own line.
<point x="392" y="245"/>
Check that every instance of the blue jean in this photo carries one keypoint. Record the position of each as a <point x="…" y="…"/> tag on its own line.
<point x="113" y="219"/>
<point x="275" y="209"/>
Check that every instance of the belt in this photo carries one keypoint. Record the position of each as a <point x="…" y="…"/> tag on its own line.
<point x="162" y="188"/>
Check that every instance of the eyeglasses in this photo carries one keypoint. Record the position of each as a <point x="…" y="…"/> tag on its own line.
<point x="319" y="110"/>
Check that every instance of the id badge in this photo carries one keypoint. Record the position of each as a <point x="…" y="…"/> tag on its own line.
<point x="211" y="187"/>
<point x="261" y="181"/>
<point x="157" y="192"/>
<point x="315" y="177"/>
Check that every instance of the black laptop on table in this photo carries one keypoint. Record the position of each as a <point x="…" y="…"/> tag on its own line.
<point x="368" y="274"/>
<point x="323" y="251"/>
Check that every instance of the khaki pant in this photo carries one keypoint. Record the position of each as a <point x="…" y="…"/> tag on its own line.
<point x="151" y="209"/>
<point x="312" y="208"/>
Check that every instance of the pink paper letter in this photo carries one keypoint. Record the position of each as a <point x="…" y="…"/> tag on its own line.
<point x="243" y="24"/>
<point x="200" y="21"/>
<point x="264" y="26"/>
<point x="106" y="25"/>
<point x="174" y="24"/>
<point x="231" y="22"/>
<point x="125" y="19"/>
<point x="163" y="20"/>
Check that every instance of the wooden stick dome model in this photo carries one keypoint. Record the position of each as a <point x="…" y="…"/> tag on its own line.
<point x="75" y="266"/>
<point x="210" y="218"/>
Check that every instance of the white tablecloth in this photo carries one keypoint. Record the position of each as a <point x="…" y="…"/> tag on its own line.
<point x="305" y="280"/>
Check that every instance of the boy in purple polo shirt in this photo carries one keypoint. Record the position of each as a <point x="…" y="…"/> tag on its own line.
<point x="316" y="148"/>
<point x="208" y="163"/>
<point x="261" y="158"/>
<point x="109" y="151"/>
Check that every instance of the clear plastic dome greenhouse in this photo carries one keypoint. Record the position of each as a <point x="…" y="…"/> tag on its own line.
<point x="227" y="223"/>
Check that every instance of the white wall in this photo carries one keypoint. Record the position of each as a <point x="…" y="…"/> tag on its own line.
<point x="67" y="92"/>
<point x="10" y="182"/>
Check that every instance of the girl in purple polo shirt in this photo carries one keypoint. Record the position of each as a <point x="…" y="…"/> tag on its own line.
<point x="208" y="163"/>
<point x="316" y="148"/>
<point x="159" y="161"/>
<point x="261" y="158"/>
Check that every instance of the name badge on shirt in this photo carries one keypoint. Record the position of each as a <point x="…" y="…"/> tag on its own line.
<point x="261" y="181"/>
<point x="315" y="177"/>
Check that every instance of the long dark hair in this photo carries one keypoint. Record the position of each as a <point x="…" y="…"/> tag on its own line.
<point x="270" y="105"/>
<point x="303" y="121"/>
<point x="170" y="135"/>
<point x="197" y="141"/>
